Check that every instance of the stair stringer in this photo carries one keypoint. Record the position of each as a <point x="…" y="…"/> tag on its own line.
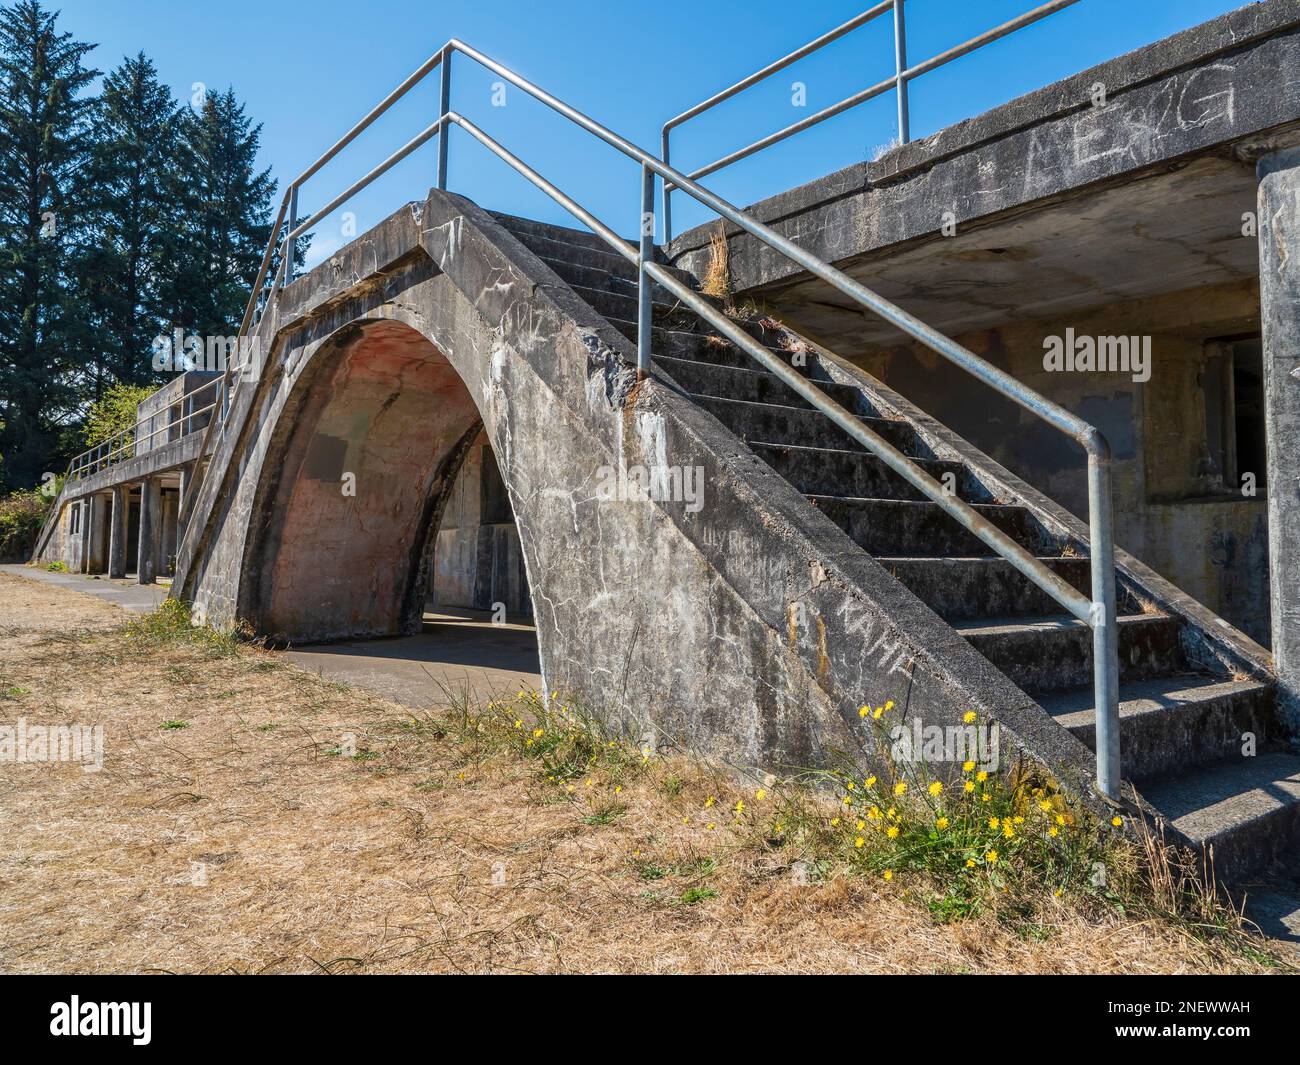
<point x="809" y="597"/>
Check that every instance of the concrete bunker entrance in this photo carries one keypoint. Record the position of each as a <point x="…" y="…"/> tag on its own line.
<point x="382" y="513"/>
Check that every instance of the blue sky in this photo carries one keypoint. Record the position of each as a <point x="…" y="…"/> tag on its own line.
<point x="308" y="70"/>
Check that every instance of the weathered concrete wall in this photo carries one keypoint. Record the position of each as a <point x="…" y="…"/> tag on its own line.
<point x="751" y="627"/>
<point x="477" y="560"/>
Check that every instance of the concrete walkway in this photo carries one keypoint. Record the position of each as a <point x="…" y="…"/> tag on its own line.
<point x="137" y="598"/>
<point x="460" y="653"/>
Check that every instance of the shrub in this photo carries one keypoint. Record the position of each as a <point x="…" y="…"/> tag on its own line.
<point x="114" y="411"/>
<point x="21" y="516"/>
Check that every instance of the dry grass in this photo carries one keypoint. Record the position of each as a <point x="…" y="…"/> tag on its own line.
<point x="334" y="832"/>
<point x="717" y="275"/>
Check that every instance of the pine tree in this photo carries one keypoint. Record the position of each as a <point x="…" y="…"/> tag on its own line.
<point x="226" y="224"/>
<point x="45" y="132"/>
<point x="123" y="270"/>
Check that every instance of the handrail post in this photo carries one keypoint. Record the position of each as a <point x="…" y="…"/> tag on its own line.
<point x="1105" y="629"/>
<point x="645" y="287"/>
<point x="900" y="65"/>
<point x="444" y="105"/>
<point x="290" y="245"/>
<point x="668" y="206"/>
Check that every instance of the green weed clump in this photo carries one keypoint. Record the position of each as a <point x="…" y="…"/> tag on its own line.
<point x="175" y="623"/>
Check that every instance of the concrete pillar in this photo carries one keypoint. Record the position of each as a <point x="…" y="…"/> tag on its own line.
<point x="117" y="530"/>
<point x="187" y="479"/>
<point x="150" y="527"/>
<point x="83" y="537"/>
<point x="1279" y="299"/>
<point x="167" y="541"/>
<point x="97" y="560"/>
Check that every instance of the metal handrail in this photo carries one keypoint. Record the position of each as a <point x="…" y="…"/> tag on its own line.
<point x="101" y="456"/>
<point x="1098" y="612"/>
<point x="903" y="74"/>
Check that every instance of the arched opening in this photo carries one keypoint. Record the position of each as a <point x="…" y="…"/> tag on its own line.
<point x="381" y="512"/>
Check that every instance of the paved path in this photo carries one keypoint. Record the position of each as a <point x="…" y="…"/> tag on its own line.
<point x="459" y="652"/>
<point x="137" y="598"/>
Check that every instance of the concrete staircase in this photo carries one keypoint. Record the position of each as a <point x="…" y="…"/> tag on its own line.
<point x="1186" y="716"/>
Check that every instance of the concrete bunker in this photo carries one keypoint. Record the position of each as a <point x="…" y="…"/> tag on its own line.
<point x="380" y="497"/>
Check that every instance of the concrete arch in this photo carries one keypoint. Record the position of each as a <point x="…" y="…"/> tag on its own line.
<point x="371" y="437"/>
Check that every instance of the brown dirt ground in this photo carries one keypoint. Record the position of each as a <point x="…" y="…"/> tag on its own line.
<point x="387" y="863"/>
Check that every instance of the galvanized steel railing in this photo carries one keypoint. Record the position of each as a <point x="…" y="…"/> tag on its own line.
<point x="903" y="74"/>
<point x="1098" y="612"/>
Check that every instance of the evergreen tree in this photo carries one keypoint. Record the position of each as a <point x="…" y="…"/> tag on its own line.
<point x="226" y="224"/>
<point x="123" y="270"/>
<point x="45" y="131"/>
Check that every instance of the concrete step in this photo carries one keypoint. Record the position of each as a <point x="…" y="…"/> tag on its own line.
<point x="1170" y="724"/>
<point x="776" y="423"/>
<point x="1053" y="653"/>
<point x="527" y="229"/>
<point x="1246" y="811"/>
<point x="958" y="588"/>
<point x="592" y="277"/>
<point x="837" y="472"/>
<point x="669" y="312"/>
<point x="754" y="385"/>
<point x="896" y="527"/>
<point x="680" y="323"/>
<point x="715" y="351"/>
<point x="554" y="251"/>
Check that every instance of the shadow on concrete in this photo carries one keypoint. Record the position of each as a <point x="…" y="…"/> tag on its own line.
<point x="461" y="653"/>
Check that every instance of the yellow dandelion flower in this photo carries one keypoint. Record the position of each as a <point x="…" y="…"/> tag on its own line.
<point x="892" y="832"/>
<point x="941" y="824"/>
<point x="1053" y="831"/>
<point x="991" y="857"/>
<point x="859" y="842"/>
<point x="740" y="806"/>
<point x="519" y="724"/>
<point x="969" y="786"/>
<point x="874" y="814"/>
<point x="835" y="822"/>
<point x="850" y="786"/>
<point x="618" y="788"/>
<point x="970" y="863"/>
<point x="878" y="711"/>
<point x="888" y="874"/>
<point x="889" y="704"/>
<point x="986" y="797"/>
<point x="710" y="801"/>
<point x="935" y="788"/>
<point x="967" y="766"/>
<point x="761" y="794"/>
<point x="1044" y="805"/>
<point x="710" y="827"/>
<point x="900" y="787"/>
<point x="870" y="782"/>
<point x="969" y="716"/>
<point x="864" y="711"/>
<point x="981" y="776"/>
<point x="1117" y="821"/>
<point x="1007" y="830"/>
<point x="994" y="822"/>
<point x="861" y="825"/>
